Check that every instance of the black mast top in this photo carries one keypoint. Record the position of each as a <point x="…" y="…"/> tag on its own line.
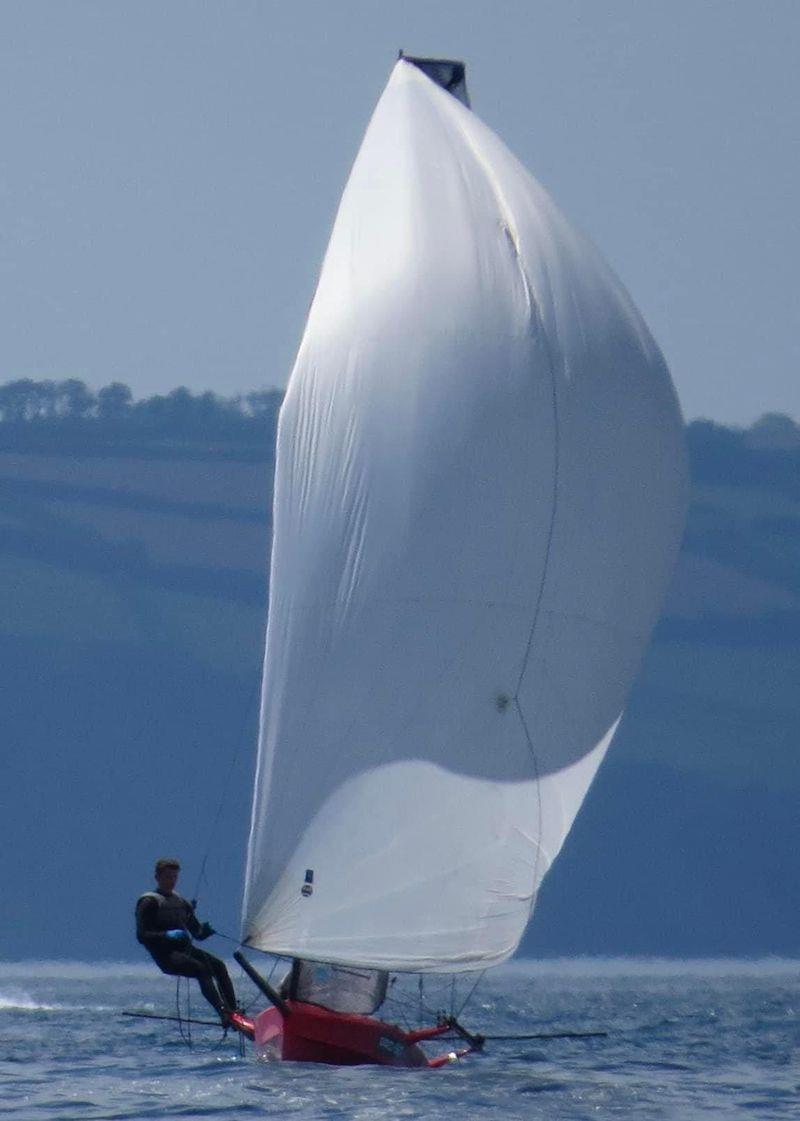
<point x="448" y="73"/>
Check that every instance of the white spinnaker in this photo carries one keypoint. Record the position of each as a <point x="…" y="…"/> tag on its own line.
<point x="478" y="501"/>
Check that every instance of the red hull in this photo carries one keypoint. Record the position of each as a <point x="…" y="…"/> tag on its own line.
<point x="310" y="1034"/>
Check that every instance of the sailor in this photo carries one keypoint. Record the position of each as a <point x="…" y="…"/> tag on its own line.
<point x="165" y="926"/>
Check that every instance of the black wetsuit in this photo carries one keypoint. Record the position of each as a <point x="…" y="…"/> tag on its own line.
<point x="155" y="915"/>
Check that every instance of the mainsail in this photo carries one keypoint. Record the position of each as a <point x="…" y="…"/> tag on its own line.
<point x="479" y="495"/>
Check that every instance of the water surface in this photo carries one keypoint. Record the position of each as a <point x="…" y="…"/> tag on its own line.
<point x="685" y="1040"/>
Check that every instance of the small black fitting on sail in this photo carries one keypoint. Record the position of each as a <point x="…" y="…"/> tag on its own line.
<point x="448" y="73"/>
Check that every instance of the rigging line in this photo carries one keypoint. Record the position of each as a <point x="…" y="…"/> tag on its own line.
<point x="536" y="320"/>
<point x="542" y="583"/>
<point x="411" y="1007"/>
<point x="256" y="997"/>
<point x="408" y="1001"/>
<point x="189" y="1010"/>
<point x="222" y="1039"/>
<point x="554" y="507"/>
<point x="471" y="993"/>
<point x="536" y="775"/>
<point x="226" y="785"/>
<point x="507" y="217"/>
<point x="186" y="1035"/>
<point x="536" y="326"/>
<point x="401" y="1009"/>
<point x="229" y="937"/>
<point x="550" y="1035"/>
<point x="171" y="1019"/>
<point x="404" y="1017"/>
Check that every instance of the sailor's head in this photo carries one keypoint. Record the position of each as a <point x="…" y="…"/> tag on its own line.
<point x="167" y="869"/>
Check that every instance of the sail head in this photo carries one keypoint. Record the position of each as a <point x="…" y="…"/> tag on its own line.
<point x="448" y="73"/>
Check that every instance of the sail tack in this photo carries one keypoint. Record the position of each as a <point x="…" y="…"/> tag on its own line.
<point x="478" y="501"/>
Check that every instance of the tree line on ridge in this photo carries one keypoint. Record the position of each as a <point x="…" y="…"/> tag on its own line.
<point x="768" y="451"/>
<point x="71" y="406"/>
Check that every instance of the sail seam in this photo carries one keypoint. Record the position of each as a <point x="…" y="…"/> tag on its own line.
<point x="542" y="583"/>
<point x="553" y="510"/>
<point x="534" y="319"/>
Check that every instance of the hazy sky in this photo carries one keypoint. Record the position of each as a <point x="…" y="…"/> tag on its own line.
<point x="169" y="172"/>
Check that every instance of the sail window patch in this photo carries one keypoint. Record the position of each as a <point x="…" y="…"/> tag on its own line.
<point x="339" y="988"/>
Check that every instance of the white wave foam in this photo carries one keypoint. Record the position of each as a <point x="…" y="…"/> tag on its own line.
<point x="72" y="970"/>
<point x="16" y="1000"/>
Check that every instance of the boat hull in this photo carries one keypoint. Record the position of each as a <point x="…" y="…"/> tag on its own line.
<point x="311" y="1034"/>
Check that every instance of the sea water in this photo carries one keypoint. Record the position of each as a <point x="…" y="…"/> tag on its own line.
<point x="685" y="1040"/>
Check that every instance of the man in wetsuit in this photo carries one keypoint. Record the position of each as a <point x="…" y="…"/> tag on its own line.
<point x="165" y="926"/>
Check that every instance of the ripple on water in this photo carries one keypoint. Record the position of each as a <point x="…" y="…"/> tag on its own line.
<point x="682" y="1044"/>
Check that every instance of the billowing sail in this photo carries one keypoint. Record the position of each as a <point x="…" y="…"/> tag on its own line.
<point x="478" y="501"/>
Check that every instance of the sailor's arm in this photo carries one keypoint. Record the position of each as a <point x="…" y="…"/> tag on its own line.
<point x="197" y="929"/>
<point x="146" y="932"/>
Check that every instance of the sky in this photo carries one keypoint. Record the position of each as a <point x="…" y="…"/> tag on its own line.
<point x="169" y="173"/>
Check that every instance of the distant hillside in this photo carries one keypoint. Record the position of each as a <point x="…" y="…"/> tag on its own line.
<point x="134" y="564"/>
<point x="688" y="840"/>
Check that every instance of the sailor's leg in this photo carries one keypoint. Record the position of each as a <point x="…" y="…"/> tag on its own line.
<point x="192" y="963"/>
<point x="221" y="976"/>
<point x="224" y="983"/>
<point x="218" y="971"/>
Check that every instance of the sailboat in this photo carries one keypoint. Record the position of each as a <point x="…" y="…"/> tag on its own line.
<point x="479" y="495"/>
